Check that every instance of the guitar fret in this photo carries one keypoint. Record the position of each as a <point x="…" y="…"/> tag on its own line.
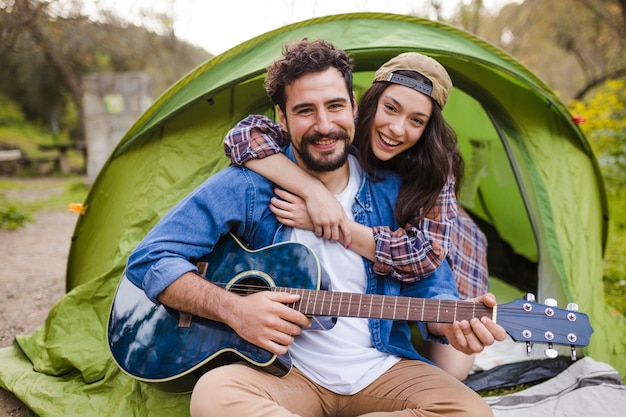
<point x="340" y="304"/>
<point x="319" y="303"/>
<point x="330" y="302"/>
<point x="408" y="309"/>
<point x="349" y="306"/>
<point x="438" y="308"/>
<point x="308" y="301"/>
<point x="296" y="305"/>
<point x="311" y="302"/>
<point x="324" y="303"/>
<point x="395" y="304"/>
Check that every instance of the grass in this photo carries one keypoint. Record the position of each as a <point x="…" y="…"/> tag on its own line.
<point x="496" y="392"/>
<point x="15" y="211"/>
<point x="28" y="137"/>
<point x="614" y="276"/>
<point x="13" y="217"/>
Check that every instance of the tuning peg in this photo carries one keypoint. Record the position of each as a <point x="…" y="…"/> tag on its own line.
<point x="550" y="302"/>
<point x="529" y="297"/>
<point x="529" y="348"/>
<point x="573" y="352"/>
<point x="551" y="352"/>
<point x="572" y="307"/>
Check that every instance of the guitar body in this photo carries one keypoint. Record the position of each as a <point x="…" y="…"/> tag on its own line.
<point x="153" y="344"/>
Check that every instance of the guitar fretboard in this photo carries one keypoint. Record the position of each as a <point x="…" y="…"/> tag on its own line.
<point x="342" y="304"/>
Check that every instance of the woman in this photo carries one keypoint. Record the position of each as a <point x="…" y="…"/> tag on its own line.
<point x="400" y="128"/>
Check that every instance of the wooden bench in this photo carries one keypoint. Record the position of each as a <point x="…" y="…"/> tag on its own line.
<point x="10" y="161"/>
<point x="41" y="165"/>
<point x="62" y="148"/>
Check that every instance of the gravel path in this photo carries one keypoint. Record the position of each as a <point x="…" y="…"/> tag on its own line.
<point x="32" y="272"/>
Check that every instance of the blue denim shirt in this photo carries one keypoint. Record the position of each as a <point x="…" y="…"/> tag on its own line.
<point x="236" y="200"/>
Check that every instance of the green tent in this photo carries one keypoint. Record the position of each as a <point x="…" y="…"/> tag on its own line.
<point x="532" y="183"/>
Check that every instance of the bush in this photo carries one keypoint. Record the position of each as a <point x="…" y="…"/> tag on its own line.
<point x="13" y="217"/>
<point x="604" y="112"/>
<point x="10" y="113"/>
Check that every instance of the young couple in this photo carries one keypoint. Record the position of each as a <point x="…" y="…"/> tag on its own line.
<point x="360" y="366"/>
<point x="393" y="117"/>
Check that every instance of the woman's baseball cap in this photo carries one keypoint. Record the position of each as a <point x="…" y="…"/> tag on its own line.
<point x="426" y="66"/>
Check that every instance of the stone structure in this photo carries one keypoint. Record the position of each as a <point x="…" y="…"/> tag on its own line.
<point x="112" y="103"/>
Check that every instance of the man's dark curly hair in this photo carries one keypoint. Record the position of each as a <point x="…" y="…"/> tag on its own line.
<point x="301" y="58"/>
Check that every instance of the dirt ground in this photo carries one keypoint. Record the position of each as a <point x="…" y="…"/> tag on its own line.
<point x="32" y="273"/>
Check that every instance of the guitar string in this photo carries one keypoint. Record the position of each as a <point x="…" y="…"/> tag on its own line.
<point x="514" y="318"/>
<point x="377" y="301"/>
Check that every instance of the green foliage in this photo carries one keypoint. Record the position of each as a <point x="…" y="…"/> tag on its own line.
<point x="21" y="199"/>
<point x="103" y="61"/>
<point x="13" y="217"/>
<point x="27" y="138"/>
<point x="10" y="113"/>
<point x="605" y="127"/>
<point x="74" y="191"/>
<point x="505" y="391"/>
<point x="17" y="133"/>
<point x="69" y="116"/>
<point x="615" y="258"/>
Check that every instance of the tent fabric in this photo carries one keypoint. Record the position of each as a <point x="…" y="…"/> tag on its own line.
<point x="531" y="182"/>
<point x="586" y="388"/>
<point x="517" y="373"/>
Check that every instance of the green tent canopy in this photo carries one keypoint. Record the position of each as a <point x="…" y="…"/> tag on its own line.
<point x="531" y="183"/>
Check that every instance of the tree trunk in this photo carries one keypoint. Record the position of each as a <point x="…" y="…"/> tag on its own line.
<point x="58" y="62"/>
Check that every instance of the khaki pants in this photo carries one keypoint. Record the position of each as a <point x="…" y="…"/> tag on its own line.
<point x="409" y="388"/>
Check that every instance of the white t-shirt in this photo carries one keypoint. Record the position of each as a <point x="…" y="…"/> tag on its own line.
<point x="343" y="358"/>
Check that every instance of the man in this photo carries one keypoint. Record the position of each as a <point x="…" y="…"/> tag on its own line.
<point x="359" y="366"/>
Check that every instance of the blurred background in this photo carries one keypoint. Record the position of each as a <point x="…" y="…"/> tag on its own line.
<point x="58" y="57"/>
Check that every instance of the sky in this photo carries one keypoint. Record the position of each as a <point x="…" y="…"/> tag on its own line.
<point x="218" y="25"/>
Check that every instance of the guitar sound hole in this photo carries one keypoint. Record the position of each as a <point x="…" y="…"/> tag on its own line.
<point x="249" y="285"/>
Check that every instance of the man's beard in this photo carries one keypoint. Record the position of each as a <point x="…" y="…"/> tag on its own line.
<point x="328" y="161"/>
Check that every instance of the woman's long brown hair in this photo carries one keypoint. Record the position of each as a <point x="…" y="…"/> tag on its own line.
<point x="423" y="168"/>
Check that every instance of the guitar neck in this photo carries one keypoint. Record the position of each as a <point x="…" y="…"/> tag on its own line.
<point x="342" y="304"/>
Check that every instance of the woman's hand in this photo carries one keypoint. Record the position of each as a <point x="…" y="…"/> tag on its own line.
<point x="291" y="210"/>
<point x="321" y="213"/>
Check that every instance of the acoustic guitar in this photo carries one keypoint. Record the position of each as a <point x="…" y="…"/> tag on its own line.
<point x="172" y="349"/>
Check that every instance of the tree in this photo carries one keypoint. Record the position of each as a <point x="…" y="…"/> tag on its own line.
<point x="574" y="45"/>
<point x="45" y="53"/>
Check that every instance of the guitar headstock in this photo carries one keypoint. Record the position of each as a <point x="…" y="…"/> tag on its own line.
<point x="528" y="321"/>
